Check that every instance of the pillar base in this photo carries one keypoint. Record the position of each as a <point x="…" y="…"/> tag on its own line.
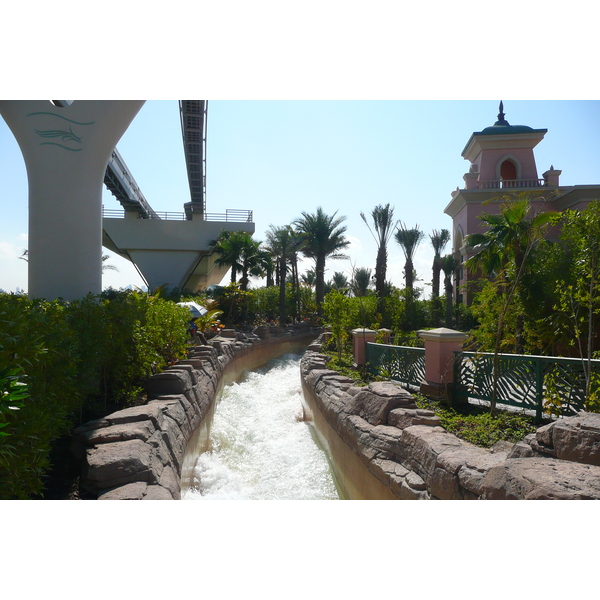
<point x="436" y="391"/>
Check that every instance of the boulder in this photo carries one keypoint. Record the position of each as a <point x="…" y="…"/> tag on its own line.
<point x="541" y="478"/>
<point x="375" y="401"/>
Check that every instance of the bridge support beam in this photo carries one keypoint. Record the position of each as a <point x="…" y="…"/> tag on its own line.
<point x="66" y="147"/>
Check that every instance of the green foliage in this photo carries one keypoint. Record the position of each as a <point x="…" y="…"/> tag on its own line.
<point x="336" y="313"/>
<point x="477" y="425"/>
<point x="343" y="364"/>
<point x="77" y="358"/>
<point x="207" y="321"/>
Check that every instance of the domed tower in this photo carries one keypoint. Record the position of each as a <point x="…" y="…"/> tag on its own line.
<point x="501" y="156"/>
<point x="501" y="162"/>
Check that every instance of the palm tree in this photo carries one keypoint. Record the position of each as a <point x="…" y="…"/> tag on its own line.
<point x="439" y="239"/>
<point x="384" y="227"/>
<point x="278" y="241"/>
<point x="253" y="259"/>
<point x="229" y="246"/>
<point x="510" y="237"/>
<point x="309" y="277"/>
<point x="409" y="239"/>
<point x="324" y="238"/>
<point x="361" y="280"/>
<point x="448" y="264"/>
<point x="339" y="282"/>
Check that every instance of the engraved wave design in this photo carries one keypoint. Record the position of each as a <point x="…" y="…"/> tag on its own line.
<point x="65" y="136"/>
<point x="60" y="117"/>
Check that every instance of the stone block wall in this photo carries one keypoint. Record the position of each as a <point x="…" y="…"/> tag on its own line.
<point x="140" y="453"/>
<point x="404" y="451"/>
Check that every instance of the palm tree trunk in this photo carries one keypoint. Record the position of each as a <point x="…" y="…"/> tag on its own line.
<point x="408" y="273"/>
<point x="282" y="315"/>
<point x="320" y="281"/>
<point x="435" y="283"/>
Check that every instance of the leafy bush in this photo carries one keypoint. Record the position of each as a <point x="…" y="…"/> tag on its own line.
<point x="77" y="358"/>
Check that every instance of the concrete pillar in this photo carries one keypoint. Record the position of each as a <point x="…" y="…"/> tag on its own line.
<point x="66" y="146"/>
<point x="360" y="337"/>
<point x="440" y="345"/>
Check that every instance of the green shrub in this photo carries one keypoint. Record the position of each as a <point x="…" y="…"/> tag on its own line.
<point x="77" y="358"/>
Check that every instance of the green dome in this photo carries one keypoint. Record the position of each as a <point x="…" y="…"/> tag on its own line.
<point x="505" y="129"/>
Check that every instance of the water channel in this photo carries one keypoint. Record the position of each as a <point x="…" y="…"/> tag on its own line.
<point x="260" y="447"/>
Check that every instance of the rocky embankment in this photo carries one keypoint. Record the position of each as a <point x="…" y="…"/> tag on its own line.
<point x="408" y="453"/>
<point x="139" y="453"/>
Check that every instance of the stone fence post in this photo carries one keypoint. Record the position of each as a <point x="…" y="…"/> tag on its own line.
<point x="360" y="337"/>
<point x="440" y="345"/>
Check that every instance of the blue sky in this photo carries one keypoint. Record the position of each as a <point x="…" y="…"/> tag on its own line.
<point x="279" y="158"/>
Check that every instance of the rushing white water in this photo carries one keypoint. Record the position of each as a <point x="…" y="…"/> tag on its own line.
<point x="259" y="446"/>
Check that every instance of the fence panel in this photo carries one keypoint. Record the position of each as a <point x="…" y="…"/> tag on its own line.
<point x="400" y="363"/>
<point x="539" y="383"/>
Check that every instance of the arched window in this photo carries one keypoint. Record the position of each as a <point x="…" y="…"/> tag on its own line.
<point x="508" y="171"/>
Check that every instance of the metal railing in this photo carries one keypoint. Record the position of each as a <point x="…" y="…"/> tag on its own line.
<point x="543" y="384"/>
<point x="400" y="363"/>
<point x="229" y="216"/>
<point x="510" y="183"/>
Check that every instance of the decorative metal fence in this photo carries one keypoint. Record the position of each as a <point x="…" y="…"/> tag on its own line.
<point x="537" y="383"/>
<point x="400" y="363"/>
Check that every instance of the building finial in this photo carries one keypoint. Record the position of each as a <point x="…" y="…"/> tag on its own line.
<point x="501" y="122"/>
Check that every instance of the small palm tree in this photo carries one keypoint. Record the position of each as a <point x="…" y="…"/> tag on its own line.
<point x="361" y="281"/>
<point x="339" y="282"/>
<point x="449" y="264"/>
<point x="439" y="239"/>
<point x="383" y="223"/>
<point x="409" y="240"/>
<point x="309" y="277"/>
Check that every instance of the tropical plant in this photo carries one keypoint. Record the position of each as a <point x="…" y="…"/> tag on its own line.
<point x="323" y="239"/>
<point x="383" y="224"/>
<point x="409" y="240"/>
<point x="361" y="281"/>
<point x="439" y="239"/>
<point x="336" y="313"/>
<point x="448" y="264"/>
<point x="237" y="249"/>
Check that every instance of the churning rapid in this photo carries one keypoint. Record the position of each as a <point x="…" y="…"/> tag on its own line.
<point x="259" y="446"/>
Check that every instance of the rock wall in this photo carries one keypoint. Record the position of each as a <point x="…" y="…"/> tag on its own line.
<point x="383" y="446"/>
<point x="147" y="452"/>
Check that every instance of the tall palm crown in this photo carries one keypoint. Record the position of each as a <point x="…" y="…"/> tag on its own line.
<point x="384" y="227"/>
<point x="439" y="239"/>
<point x="324" y="238"/>
<point x="409" y="240"/>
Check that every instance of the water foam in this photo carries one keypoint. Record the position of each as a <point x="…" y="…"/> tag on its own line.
<point x="259" y="447"/>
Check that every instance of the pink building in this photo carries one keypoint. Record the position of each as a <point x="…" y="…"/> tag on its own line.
<point x="503" y="162"/>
